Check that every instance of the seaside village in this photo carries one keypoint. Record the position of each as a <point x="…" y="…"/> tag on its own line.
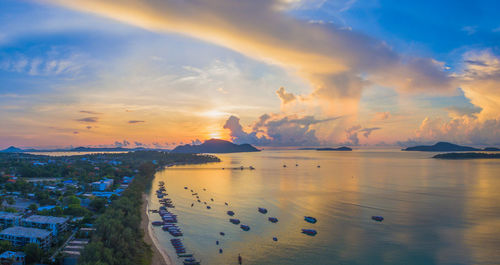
<point x="47" y="218"/>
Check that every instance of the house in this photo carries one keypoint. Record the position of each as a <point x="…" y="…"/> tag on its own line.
<point x="20" y="236"/>
<point x="102" y="185"/>
<point x="51" y="223"/>
<point x="9" y="219"/>
<point x="13" y="258"/>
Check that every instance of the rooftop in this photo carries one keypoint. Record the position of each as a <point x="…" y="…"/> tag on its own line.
<point x="45" y="219"/>
<point x="20" y="231"/>
<point x="7" y="215"/>
<point x="9" y="254"/>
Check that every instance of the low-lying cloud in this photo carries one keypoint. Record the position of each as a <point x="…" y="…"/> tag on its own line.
<point x="88" y="119"/>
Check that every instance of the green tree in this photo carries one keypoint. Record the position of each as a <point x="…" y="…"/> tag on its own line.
<point x="98" y="204"/>
<point x="10" y="200"/>
<point x="33" y="207"/>
<point x="4" y="246"/>
<point x="33" y="253"/>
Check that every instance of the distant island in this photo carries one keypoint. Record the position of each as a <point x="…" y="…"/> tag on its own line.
<point x="343" y="148"/>
<point x="14" y="149"/>
<point x="467" y="156"/>
<point x="215" y="146"/>
<point x="447" y="147"/>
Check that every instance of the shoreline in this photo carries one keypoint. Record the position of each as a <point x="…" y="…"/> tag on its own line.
<point x="159" y="256"/>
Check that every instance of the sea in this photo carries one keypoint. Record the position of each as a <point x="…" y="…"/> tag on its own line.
<point x="435" y="211"/>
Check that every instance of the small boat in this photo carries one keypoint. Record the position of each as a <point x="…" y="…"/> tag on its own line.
<point x="208" y="207"/>
<point x="378" y="218"/>
<point x="296" y="165"/>
<point x="222" y="233"/>
<point x="309" y="232"/>
<point x="199" y="201"/>
<point x="310" y="219"/>
<point x="245" y="227"/>
<point x="251" y="168"/>
<point x="194" y="194"/>
<point x="273" y="219"/>
<point x="185" y="255"/>
<point x="319" y="166"/>
<point x="262" y="210"/>
<point x="192" y="204"/>
<point x="191" y="261"/>
<point x="157" y="223"/>
<point x="230" y="213"/>
<point x="275" y="239"/>
<point x="185" y="188"/>
<point x="217" y="242"/>
<point x="211" y="199"/>
<point x="205" y="202"/>
<point x="284" y="165"/>
<point x="204" y="189"/>
<point x="226" y="203"/>
<point x="234" y="221"/>
<point x="220" y="250"/>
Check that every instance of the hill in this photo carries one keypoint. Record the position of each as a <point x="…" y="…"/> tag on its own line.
<point x="343" y="148"/>
<point x="441" y="147"/>
<point x="11" y="149"/>
<point x="467" y="156"/>
<point x="215" y="146"/>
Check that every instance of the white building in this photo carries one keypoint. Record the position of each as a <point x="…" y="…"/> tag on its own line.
<point x="51" y="223"/>
<point x="9" y="219"/>
<point x="20" y="236"/>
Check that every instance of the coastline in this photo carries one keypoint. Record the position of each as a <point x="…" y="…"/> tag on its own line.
<point x="159" y="256"/>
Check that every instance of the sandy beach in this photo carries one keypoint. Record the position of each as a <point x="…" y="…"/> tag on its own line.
<point x="160" y="257"/>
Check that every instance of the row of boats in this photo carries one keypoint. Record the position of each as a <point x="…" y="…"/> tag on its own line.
<point x="168" y="224"/>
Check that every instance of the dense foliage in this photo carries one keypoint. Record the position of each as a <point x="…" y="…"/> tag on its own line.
<point x="119" y="237"/>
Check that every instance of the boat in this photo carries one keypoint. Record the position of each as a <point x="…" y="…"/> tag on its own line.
<point x="319" y="166"/>
<point x="157" y="223"/>
<point x="185" y="255"/>
<point x="273" y="219"/>
<point x="234" y="221"/>
<point x="262" y="210"/>
<point x="220" y="250"/>
<point x="310" y="219"/>
<point x="309" y="232"/>
<point x="208" y="207"/>
<point x="284" y="165"/>
<point x="378" y="218"/>
<point x="230" y="213"/>
<point x="190" y="261"/>
<point x="251" y="168"/>
<point x="275" y="239"/>
<point x="245" y="227"/>
<point x="222" y="233"/>
<point x="211" y="199"/>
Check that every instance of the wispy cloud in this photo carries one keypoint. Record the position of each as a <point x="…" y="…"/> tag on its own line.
<point x="90" y="112"/>
<point x="135" y="121"/>
<point x="88" y="119"/>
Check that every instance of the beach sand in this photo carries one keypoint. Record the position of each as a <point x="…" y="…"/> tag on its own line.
<point x="160" y="257"/>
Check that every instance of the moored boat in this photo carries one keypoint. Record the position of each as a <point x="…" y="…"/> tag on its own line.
<point x="378" y="218"/>
<point x="230" y="213"/>
<point x="234" y="221"/>
<point x="157" y="223"/>
<point x="262" y="210"/>
<point x="310" y="219"/>
<point x="273" y="219"/>
<point x="245" y="227"/>
<point x="309" y="232"/>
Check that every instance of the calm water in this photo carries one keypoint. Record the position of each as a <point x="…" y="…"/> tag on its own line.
<point x="436" y="211"/>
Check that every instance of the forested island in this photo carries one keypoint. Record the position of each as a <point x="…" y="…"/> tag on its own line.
<point x="215" y="146"/>
<point x="471" y="155"/>
<point x="447" y="147"/>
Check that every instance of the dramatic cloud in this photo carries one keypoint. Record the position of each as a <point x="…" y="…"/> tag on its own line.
<point x="88" y="119"/>
<point x="352" y="133"/>
<point x="284" y="96"/>
<point x="277" y="130"/>
<point x="338" y="63"/>
<point x="135" y="121"/>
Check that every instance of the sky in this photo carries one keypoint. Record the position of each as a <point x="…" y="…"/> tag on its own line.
<point x="273" y="73"/>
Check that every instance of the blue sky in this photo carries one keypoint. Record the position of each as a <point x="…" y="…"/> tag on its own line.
<point x="391" y="65"/>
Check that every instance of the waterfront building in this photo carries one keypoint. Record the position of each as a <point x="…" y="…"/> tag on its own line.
<point x="20" y="236"/>
<point x="51" y="223"/>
